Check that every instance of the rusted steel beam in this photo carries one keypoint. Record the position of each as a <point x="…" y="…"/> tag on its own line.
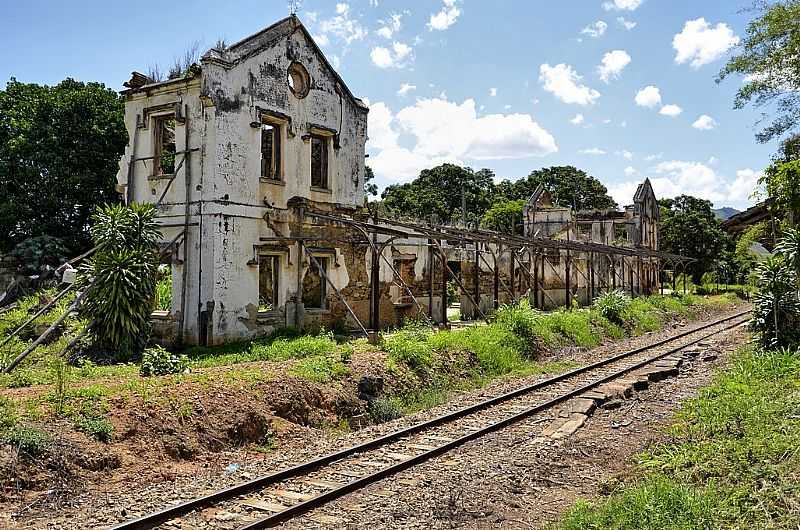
<point x="477" y="281"/>
<point x="445" y="300"/>
<point x="336" y="291"/>
<point x="458" y="280"/>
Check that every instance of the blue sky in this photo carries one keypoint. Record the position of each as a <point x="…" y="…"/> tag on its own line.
<point x="512" y="85"/>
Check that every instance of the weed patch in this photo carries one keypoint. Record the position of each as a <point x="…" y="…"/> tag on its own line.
<point x="733" y="462"/>
<point x="320" y="369"/>
<point x="28" y="440"/>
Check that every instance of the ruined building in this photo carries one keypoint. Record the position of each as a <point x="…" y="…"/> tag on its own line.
<point x="255" y="159"/>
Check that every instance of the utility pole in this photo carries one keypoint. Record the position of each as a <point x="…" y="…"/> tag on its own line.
<point x="464" y="203"/>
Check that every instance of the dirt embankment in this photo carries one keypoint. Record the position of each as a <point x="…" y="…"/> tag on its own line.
<point x="209" y="422"/>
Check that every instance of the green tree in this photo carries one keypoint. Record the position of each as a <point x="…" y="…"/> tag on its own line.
<point x="438" y="191"/>
<point x="569" y="186"/>
<point x="768" y="59"/>
<point x="504" y="216"/>
<point x="686" y="216"/>
<point x="370" y="188"/>
<point x="59" y="151"/>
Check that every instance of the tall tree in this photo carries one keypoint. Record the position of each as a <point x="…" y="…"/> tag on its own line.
<point x="768" y="59"/>
<point x="568" y="185"/>
<point x="686" y="215"/>
<point x="370" y="188"/>
<point x="439" y="190"/>
<point x="504" y="216"/>
<point x="59" y="151"/>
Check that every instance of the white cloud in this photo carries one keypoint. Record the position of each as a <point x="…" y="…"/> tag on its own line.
<point x="492" y="92"/>
<point x="705" y="123"/>
<point x="445" y="131"/>
<point x="379" y="127"/>
<point x="670" y="110"/>
<point x="381" y="57"/>
<point x="405" y="88"/>
<point x="446" y="17"/>
<point x="595" y="29"/>
<point x="612" y="65"/>
<point x="629" y="172"/>
<point x="564" y="82"/>
<point x="622" y="5"/>
<point x="625" y="23"/>
<point x="391" y="26"/>
<point x="396" y="57"/>
<point x="342" y="26"/>
<point x="594" y="151"/>
<point x="627" y="155"/>
<point x="657" y="156"/>
<point x="699" y="43"/>
<point x="649" y="96"/>
<point x="321" y="39"/>
<point x="744" y="185"/>
<point x="679" y="177"/>
<point x="507" y="107"/>
<point x="577" y="120"/>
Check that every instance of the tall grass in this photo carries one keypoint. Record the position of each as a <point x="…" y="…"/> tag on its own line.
<point x="733" y="463"/>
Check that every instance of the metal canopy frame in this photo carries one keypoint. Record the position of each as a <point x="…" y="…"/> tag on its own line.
<point x="439" y="238"/>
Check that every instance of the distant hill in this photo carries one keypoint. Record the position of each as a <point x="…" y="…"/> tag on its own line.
<point x="725" y="212"/>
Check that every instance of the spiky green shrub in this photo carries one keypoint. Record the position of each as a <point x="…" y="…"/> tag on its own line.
<point x="612" y="305"/>
<point x="121" y="277"/>
<point x="776" y="307"/>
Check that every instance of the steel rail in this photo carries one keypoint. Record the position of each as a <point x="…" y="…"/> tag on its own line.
<point x="154" y="519"/>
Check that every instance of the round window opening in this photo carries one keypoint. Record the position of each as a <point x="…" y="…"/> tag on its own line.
<point x="298" y="80"/>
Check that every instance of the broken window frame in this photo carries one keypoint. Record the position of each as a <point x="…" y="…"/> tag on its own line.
<point x="322" y="303"/>
<point x="275" y="280"/>
<point x="158" y="144"/>
<point x="275" y="172"/>
<point x="621" y="233"/>
<point x="585" y="230"/>
<point x="325" y="171"/>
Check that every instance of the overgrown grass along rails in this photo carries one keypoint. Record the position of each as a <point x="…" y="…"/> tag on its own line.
<point x="734" y="461"/>
<point x="518" y="334"/>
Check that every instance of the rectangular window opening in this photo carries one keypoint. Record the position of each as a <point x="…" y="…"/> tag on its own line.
<point x="319" y="162"/>
<point x="271" y="151"/>
<point x="164" y="141"/>
<point x="621" y="233"/>
<point x="268" y="283"/>
<point x="314" y="285"/>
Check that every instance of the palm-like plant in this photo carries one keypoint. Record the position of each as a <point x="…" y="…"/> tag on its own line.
<point x="776" y="307"/>
<point x="121" y="277"/>
<point x="789" y="247"/>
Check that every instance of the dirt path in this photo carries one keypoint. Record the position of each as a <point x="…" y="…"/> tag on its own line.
<point x="508" y="479"/>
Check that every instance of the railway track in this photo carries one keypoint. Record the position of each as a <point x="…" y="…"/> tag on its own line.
<point x="269" y="500"/>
